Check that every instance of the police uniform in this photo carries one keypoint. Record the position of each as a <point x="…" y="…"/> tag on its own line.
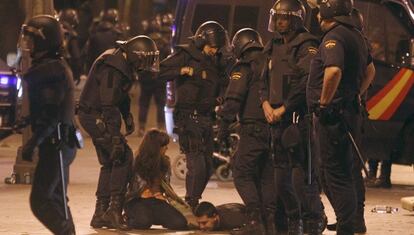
<point x="51" y="99"/>
<point x="343" y="46"/>
<point x="252" y="163"/>
<point x="104" y="100"/>
<point x="285" y="82"/>
<point x="195" y="102"/>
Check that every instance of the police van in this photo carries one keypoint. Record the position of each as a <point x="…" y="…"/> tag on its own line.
<point x="389" y="26"/>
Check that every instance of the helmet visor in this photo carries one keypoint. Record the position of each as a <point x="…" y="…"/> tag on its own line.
<point x="216" y="39"/>
<point x="146" y="61"/>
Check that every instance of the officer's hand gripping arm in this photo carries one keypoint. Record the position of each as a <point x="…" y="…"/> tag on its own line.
<point x="172" y="66"/>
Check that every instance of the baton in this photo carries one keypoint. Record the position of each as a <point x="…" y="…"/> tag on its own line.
<point x="62" y="173"/>
<point x="354" y="144"/>
<point x="310" y="150"/>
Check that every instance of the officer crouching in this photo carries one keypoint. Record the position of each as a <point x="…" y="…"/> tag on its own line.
<point x="103" y="102"/>
<point x="340" y="72"/>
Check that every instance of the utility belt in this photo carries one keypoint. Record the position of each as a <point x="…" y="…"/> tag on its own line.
<point x="254" y="125"/>
<point x="89" y="110"/>
<point x="348" y="105"/>
<point x="183" y="114"/>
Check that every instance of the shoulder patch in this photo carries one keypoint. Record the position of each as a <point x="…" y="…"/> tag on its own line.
<point x="312" y="50"/>
<point x="236" y="75"/>
<point x="330" y="44"/>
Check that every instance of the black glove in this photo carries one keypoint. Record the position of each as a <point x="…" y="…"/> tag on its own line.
<point x="328" y="115"/>
<point x="28" y="149"/>
<point x="129" y="124"/>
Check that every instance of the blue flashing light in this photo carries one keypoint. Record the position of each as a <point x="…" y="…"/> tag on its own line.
<point x="4" y="80"/>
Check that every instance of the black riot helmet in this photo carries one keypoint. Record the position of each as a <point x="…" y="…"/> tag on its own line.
<point x="110" y="15"/>
<point x="210" y="33"/>
<point x="244" y="40"/>
<point x="142" y="53"/>
<point x="339" y="10"/>
<point x="70" y="16"/>
<point x="43" y="35"/>
<point x="292" y="10"/>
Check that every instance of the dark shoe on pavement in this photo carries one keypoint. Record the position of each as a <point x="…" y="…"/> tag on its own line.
<point x="331" y="227"/>
<point x="113" y="216"/>
<point x="100" y="208"/>
<point x="382" y="183"/>
<point x="295" y="227"/>
<point x="359" y="226"/>
<point x="254" y="224"/>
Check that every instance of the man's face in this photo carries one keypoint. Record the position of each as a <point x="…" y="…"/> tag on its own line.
<point x="282" y="23"/>
<point x="322" y="23"/>
<point x="207" y="223"/>
<point x="210" y="51"/>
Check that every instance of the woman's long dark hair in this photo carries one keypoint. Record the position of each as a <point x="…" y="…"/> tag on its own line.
<point x="149" y="164"/>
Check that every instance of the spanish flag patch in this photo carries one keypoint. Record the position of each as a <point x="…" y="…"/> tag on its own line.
<point x="330" y="44"/>
<point x="235" y="76"/>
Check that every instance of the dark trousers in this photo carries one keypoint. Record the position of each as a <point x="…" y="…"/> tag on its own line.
<point x="113" y="176"/>
<point x="253" y="167"/>
<point x="147" y="91"/>
<point x="385" y="168"/>
<point x="197" y="143"/>
<point x="46" y="199"/>
<point x="283" y="173"/>
<point x="143" y="213"/>
<point x="308" y="193"/>
<point x="336" y="156"/>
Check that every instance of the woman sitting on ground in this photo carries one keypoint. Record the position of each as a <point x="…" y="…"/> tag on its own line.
<point x="146" y="200"/>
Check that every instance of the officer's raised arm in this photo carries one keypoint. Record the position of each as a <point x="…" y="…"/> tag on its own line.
<point x="174" y="66"/>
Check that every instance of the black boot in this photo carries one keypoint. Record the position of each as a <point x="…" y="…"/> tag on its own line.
<point x="100" y="208"/>
<point x="315" y="226"/>
<point x="359" y="225"/>
<point x="254" y="224"/>
<point x="295" y="227"/>
<point x="113" y="216"/>
<point x="193" y="203"/>
<point x="270" y="225"/>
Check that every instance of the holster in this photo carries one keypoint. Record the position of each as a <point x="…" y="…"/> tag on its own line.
<point x="292" y="142"/>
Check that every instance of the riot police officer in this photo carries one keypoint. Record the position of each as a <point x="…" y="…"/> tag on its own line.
<point x="193" y="69"/>
<point x="51" y="99"/>
<point x="102" y="35"/>
<point x="242" y="98"/>
<point x="103" y="102"/>
<point x="283" y="96"/>
<point x="68" y="18"/>
<point x="359" y="221"/>
<point x="340" y="72"/>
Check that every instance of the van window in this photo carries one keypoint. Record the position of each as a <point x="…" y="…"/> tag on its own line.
<point x="245" y="17"/>
<point x="206" y="12"/>
<point x="388" y="37"/>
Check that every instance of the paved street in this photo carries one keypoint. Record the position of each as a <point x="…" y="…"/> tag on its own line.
<point x="17" y="219"/>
